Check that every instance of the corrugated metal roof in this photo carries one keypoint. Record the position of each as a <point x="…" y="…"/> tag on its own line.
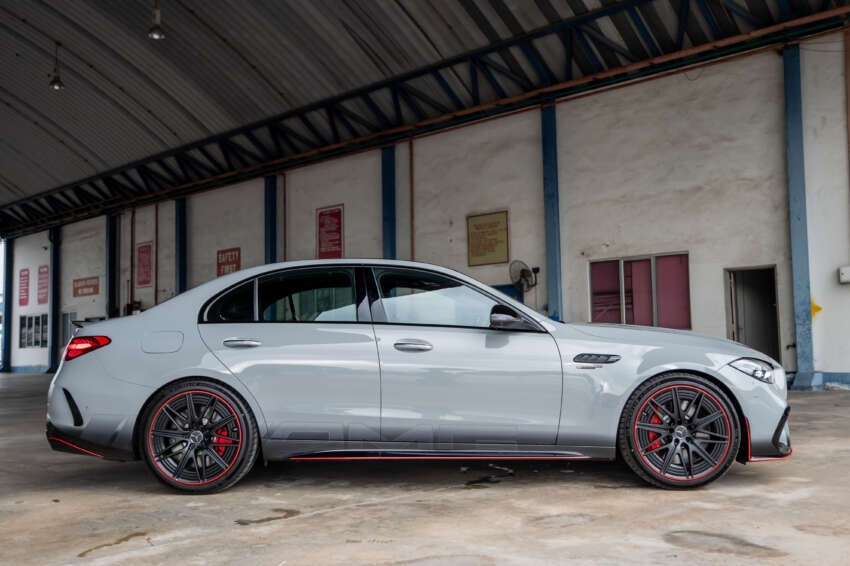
<point x="227" y="64"/>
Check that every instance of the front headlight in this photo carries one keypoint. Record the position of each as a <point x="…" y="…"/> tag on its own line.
<point x="758" y="369"/>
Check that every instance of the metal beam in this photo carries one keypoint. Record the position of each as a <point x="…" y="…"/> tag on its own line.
<point x="8" y="294"/>
<point x="113" y="309"/>
<point x="552" y="212"/>
<point x="271" y="218"/>
<point x="388" y="211"/>
<point x="181" y="267"/>
<point x="797" y="215"/>
<point x="54" y="317"/>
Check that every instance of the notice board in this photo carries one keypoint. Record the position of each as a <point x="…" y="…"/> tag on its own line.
<point x="43" y="286"/>
<point x="144" y="264"/>
<point x="329" y="232"/>
<point x="86" y="286"/>
<point x="228" y="261"/>
<point x="24" y="287"/>
<point x="487" y="238"/>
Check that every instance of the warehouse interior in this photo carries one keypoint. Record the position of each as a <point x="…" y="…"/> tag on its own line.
<point x="672" y="163"/>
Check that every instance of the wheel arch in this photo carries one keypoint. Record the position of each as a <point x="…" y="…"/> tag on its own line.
<point x="742" y="455"/>
<point x="140" y="415"/>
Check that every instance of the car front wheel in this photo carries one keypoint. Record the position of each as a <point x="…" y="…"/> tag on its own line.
<point x="678" y="431"/>
<point x="199" y="436"/>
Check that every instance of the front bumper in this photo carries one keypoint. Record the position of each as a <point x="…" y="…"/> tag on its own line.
<point x="779" y="447"/>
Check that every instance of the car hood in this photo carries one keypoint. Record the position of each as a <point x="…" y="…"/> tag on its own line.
<point x="661" y="337"/>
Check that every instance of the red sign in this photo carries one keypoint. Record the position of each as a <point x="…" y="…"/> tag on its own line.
<point x="228" y="261"/>
<point x="144" y="264"/>
<point x="329" y="234"/>
<point x="86" y="286"/>
<point x="24" y="287"/>
<point x="43" y="284"/>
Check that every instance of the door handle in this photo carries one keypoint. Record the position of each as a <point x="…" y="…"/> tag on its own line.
<point x="241" y="343"/>
<point x="408" y="345"/>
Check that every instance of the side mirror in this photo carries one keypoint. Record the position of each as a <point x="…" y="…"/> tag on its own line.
<point x="506" y="318"/>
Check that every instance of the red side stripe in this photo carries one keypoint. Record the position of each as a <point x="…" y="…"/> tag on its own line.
<point x="440" y="458"/>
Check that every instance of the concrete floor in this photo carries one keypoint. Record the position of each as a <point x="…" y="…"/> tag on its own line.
<point x="59" y="508"/>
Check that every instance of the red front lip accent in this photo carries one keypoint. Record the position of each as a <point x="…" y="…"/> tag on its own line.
<point x="72" y="445"/>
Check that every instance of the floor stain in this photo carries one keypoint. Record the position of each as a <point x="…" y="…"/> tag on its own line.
<point x="824" y="530"/>
<point x="284" y="514"/>
<point x="480" y="483"/>
<point x="726" y="544"/>
<point x="108" y="544"/>
<point x="562" y="520"/>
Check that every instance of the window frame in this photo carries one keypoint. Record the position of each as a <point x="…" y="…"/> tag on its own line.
<point x="379" y="316"/>
<point x="622" y="285"/>
<point x="359" y="297"/>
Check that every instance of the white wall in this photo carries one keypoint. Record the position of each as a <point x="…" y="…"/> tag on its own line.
<point x="83" y="255"/>
<point x="353" y="181"/>
<point x="827" y="197"/>
<point x="231" y="217"/>
<point x="693" y="162"/>
<point x="495" y="165"/>
<point x="30" y="252"/>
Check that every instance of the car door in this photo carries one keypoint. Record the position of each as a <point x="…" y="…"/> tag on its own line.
<point x="297" y="339"/>
<point x="447" y="377"/>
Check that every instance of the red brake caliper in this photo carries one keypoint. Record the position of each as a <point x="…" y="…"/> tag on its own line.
<point x="217" y="440"/>
<point x="654" y="435"/>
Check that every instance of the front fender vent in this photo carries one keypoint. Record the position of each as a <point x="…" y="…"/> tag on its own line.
<point x="596" y="358"/>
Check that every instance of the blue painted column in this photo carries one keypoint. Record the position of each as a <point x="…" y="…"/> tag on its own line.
<point x="8" y="296"/>
<point x="54" y="318"/>
<point x="797" y="212"/>
<point x="180" y="244"/>
<point x="271" y="218"/>
<point x="112" y="276"/>
<point x="552" y="213"/>
<point x="388" y="201"/>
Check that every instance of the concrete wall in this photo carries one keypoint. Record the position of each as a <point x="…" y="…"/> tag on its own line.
<point x="232" y="217"/>
<point x="83" y="256"/>
<point x="495" y="165"/>
<point x="691" y="163"/>
<point x="354" y="182"/>
<point x="30" y="253"/>
<point x="827" y="197"/>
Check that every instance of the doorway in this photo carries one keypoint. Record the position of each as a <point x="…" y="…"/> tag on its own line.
<point x="752" y="314"/>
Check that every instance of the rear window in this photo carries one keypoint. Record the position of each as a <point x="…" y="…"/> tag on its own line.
<point x="237" y="305"/>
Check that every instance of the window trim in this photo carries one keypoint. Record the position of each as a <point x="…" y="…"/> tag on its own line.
<point x="359" y="293"/>
<point x="622" y="283"/>
<point x="379" y="316"/>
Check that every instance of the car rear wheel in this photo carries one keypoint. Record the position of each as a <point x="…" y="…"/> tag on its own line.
<point x="199" y="436"/>
<point x="679" y="431"/>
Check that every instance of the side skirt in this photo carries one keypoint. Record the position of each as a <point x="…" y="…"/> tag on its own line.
<point x="341" y="450"/>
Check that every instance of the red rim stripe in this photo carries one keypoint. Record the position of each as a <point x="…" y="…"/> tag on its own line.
<point x="725" y="416"/>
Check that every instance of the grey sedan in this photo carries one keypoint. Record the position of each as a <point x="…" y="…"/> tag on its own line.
<point x="372" y="359"/>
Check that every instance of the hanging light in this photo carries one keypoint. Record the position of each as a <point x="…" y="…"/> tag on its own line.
<point x="55" y="80"/>
<point x="156" y="32"/>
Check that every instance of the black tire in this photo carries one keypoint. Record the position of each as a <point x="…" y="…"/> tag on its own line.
<point x="203" y="450"/>
<point x="684" y="449"/>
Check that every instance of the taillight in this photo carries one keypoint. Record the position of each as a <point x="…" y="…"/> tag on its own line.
<point x="83" y="345"/>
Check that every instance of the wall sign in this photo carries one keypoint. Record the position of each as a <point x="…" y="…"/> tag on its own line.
<point x="228" y="261"/>
<point x="329" y="233"/>
<point x="86" y="286"/>
<point x="24" y="287"/>
<point x="144" y="264"/>
<point x="43" y="287"/>
<point x="487" y="238"/>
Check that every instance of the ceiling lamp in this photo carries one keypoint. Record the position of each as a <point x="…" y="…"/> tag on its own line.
<point x="55" y="80"/>
<point x="156" y="32"/>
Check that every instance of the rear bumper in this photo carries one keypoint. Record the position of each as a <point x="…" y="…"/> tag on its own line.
<point x="67" y="441"/>
<point x="779" y="445"/>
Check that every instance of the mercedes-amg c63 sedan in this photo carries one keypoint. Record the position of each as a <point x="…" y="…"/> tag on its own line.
<point x="365" y="359"/>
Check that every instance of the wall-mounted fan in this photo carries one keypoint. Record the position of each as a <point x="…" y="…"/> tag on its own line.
<point x="523" y="277"/>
